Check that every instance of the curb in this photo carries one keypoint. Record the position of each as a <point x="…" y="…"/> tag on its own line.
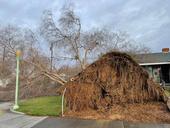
<point x="14" y="111"/>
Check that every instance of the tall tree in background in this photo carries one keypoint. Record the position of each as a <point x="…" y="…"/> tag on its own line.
<point x="51" y="33"/>
<point x="73" y="42"/>
<point x="11" y="39"/>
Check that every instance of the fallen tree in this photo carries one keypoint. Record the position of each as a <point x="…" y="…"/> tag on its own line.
<point x="113" y="79"/>
<point x="35" y="80"/>
<point x="43" y="71"/>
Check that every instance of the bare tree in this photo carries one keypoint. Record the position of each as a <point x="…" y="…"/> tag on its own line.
<point x="69" y="36"/>
<point x="76" y="44"/>
<point x="13" y="38"/>
<point x="50" y="32"/>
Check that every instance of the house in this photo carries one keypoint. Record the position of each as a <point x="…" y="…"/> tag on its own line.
<point x="157" y="65"/>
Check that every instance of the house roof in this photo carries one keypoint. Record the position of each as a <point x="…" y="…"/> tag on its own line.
<point x="153" y="58"/>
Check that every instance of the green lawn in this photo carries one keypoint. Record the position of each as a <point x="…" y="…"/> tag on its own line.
<point x="41" y="106"/>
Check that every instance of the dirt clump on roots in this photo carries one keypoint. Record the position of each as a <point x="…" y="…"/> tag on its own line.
<point x="151" y="112"/>
<point x="114" y="79"/>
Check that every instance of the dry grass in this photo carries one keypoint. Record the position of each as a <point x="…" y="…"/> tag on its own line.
<point x="153" y="112"/>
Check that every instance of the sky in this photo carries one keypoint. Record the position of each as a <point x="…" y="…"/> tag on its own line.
<point x="146" y="21"/>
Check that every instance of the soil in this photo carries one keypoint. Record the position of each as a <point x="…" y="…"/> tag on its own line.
<point x="153" y="112"/>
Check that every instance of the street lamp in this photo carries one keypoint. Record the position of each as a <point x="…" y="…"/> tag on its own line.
<point x="18" y="55"/>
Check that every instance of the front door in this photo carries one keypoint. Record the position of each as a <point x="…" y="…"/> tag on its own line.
<point x="166" y="73"/>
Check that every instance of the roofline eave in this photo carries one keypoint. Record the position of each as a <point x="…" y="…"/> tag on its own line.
<point x="158" y="63"/>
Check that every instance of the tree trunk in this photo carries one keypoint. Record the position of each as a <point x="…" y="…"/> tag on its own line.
<point x="51" y="60"/>
<point x="4" y="52"/>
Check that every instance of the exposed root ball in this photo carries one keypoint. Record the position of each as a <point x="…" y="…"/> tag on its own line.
<point x="113" y="79"/>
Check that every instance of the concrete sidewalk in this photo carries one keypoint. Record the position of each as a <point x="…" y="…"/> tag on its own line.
<point x="78" y="123"/>
<point x="13" y="120"/>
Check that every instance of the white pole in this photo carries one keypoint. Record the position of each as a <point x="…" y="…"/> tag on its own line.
<point x="63" y="102"/>
<point x="18" y="54"/>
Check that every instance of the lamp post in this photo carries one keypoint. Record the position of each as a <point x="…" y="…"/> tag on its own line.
<point x="18" y="54"/>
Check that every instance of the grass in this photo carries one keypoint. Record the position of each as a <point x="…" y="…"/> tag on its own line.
<point x="167" y="92"/>
<point x="41" y="106"/>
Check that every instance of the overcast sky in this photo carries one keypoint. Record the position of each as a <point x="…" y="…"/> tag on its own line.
<point x="147" y="21"/>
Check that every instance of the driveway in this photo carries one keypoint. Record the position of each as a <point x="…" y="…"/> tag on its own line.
<point x="13" y="120"/>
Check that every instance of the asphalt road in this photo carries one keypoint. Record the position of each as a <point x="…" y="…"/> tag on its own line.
<point x="78" y="123"/>
<point x="13" y="120"/>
